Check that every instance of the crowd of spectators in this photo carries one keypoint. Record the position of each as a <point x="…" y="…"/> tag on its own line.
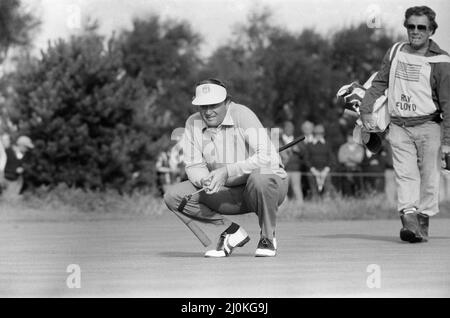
<point x="170" y="165"/>
<point x="317" y="170"/>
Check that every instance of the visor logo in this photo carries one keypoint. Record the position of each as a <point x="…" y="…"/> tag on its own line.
<point x="206" y="89"/>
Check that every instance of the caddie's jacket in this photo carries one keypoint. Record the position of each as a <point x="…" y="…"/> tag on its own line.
<point x="419" y="75"/>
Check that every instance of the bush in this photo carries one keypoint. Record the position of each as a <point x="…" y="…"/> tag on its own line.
<point x="88" y="119"/>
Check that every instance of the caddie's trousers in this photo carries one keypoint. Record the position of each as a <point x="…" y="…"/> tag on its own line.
<point x="262" y="194"/>
<point x="417" y="166"/>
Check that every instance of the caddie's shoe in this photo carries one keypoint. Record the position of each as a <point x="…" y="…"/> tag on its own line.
<point x="232" y="237"/>
<point x="411" y="229"/>
<point x="424" y="221"/>
<point x="266" y="247"/>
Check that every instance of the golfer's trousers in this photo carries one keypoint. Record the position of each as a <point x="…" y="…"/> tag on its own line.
<point x="262" y="194"/>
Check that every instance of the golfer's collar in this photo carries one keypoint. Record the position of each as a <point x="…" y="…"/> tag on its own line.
<point x="319" y="140"/>
<point x="227" y="121"/>
<point x="309" y="138"/>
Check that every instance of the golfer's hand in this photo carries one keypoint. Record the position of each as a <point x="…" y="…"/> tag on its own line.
<point x="205" y="182"/>
<point x="368" y="121"/>
<point x="218" y="178"/>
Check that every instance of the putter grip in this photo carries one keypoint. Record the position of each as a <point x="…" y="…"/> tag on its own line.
<point x="293" y="142"/>
<point x="182" y="204"/>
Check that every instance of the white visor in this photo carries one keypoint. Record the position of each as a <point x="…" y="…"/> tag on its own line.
<point x="209" y="94"/>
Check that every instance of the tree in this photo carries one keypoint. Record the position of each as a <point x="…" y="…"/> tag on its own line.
<point x="164" y="54"/>
<point x="16" y="26"/>
<point x="241" y="64"/>
<point x="267" y="68"/>
<point x="296" y="68"/>
<point x="358" y="50"/>
<point x="16" y="30"/>
<point x="88" y="119"/>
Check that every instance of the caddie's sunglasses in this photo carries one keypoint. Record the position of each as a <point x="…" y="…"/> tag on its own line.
<point x="420" y="27"/>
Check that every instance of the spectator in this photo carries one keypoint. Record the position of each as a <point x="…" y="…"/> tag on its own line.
<point x="350" y="157"/>
<point x="16" y="155"/>
<point x="389" y="178"/>
<point x="291" y="158"/>
<point x="307" y="130"/>
<point x="176" y="161"/>
<point x="170" y="165"/>
<point x="319" y="159"/>
<point x="163" y="178"/>
<point x="5" y="143"/>
<point x="373" y="168"/>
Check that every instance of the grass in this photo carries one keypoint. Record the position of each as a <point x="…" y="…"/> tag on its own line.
<point x="64" y="202"/>
<point x="69" y="203"/>
<point x="340" y="208"/>
<point x="369" y="207"/>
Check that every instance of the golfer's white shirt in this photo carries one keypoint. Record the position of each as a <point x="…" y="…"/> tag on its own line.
<point x="240" y="143"/>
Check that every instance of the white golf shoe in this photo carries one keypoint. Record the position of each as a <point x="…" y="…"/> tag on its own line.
<point x="227" y="242"/>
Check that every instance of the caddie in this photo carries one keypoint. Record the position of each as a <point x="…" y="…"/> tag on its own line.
<point x="229" y="152"/>
<point x="418" y="83"/>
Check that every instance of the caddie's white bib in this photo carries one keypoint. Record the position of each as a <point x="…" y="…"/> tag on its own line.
<point x="409" y="93"/>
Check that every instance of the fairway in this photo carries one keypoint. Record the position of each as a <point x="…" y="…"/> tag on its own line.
<point x="159" y="257"/>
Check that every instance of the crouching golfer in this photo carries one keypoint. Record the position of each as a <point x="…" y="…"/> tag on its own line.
<point x="228" y="152"/>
